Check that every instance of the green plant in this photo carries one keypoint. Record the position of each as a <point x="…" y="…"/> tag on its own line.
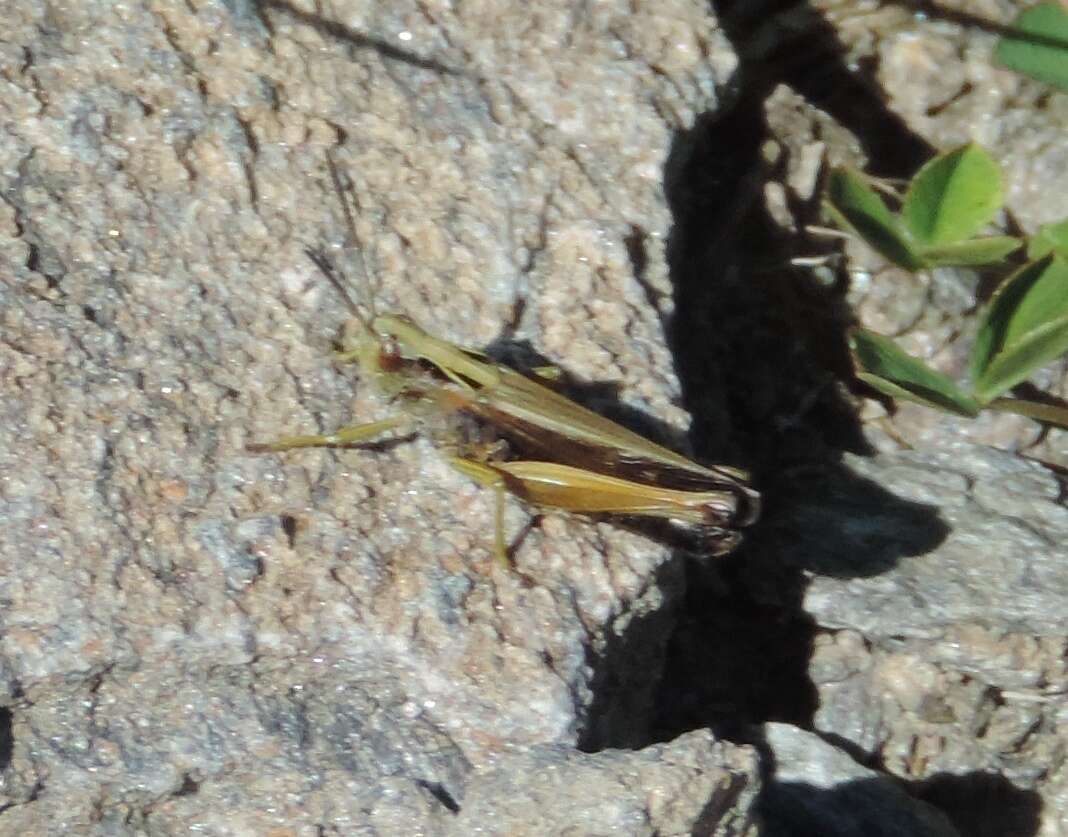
<point x="1037" y="44"/>
<point x="1023" y="326"/>
<point x="946" y="204"/>
<point x="1050" y="238"/>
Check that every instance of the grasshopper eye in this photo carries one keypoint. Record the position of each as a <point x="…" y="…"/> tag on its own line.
<point x="390" y="358"/>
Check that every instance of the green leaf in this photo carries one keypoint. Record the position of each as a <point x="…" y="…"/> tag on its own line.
<point x="1037" y="44"/>
<point x="971" y="253"/>
<point x="1019" y="361"/>
<point x="1050" y="238"/>
<point x="998" y="312"/>
<point x="1049" y="413"/>
<point x="953" y="196"/>
<point x="1023" y="327"/>
<point x="855" y="206"/>
<point x="892" y="371"/>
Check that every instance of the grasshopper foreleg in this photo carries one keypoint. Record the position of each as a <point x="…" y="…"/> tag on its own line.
<point x="351" y="435"/>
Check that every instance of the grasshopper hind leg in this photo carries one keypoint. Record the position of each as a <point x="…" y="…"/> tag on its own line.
<point x="491" y="478"/>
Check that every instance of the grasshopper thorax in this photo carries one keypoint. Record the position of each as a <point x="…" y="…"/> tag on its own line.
<point x="397" y="330"/>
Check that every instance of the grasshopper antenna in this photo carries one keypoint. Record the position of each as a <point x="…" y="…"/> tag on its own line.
<point x="319" y="259"/>
<point x="329" y="270"/>
<point x="353" y="235"/>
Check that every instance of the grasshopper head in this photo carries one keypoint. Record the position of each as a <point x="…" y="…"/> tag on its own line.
<point x="462" y="366"/>
<point x="409" y="340"/>
<point x="396" y="341"/>
<point x="397" y="328"/>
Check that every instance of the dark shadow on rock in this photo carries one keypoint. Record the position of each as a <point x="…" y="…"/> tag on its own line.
<point x="974" y="804"/>
<point x="789" y="42"/>
<point x="868" y="807"/>
<point x="758" y="349"/>
<point x="626" y="672"/>
<point x="967" y="805"/>
<point x="982" y="804"/>
<point x="740" y="650"/>
<point x="758" y="352"/>
<point x="828" y="520"/>
<point x="735" y="660"/>
<point x="7" y="737"/>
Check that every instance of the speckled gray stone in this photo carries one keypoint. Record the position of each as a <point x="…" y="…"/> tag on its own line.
<point x="196" y="638"/>
<point x="1000" y="562"/>
<point x="694" y="785"/>
<point x="168" y="597"/>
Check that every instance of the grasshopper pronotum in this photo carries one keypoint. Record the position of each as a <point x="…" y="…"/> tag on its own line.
<point x="585" y="463"/>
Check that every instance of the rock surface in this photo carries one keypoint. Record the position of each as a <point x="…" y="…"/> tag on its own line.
<point x="821" y="790"/>
<point x="694" y="785"/>
<point x="196" y="638"/>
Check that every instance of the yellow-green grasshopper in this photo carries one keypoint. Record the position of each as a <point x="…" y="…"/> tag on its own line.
<point x="591" y="465"/>
<point x="585" y="462"/>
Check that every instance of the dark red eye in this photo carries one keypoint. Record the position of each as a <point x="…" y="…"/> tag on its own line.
<point x="389" y="356"/>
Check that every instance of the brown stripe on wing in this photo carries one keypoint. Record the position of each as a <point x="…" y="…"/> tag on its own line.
<point x="536" y="441"/>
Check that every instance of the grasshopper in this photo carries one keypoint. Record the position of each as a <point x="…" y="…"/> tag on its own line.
<point x="585" y="463"/>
